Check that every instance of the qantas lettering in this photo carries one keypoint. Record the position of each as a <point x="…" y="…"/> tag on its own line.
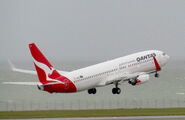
<point x="138" y="59"/>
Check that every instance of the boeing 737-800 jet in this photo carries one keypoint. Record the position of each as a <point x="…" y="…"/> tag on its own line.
<point x="134" y="69"/>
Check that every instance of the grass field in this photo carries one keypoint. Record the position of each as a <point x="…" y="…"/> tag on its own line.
<point x="91" y="113"/>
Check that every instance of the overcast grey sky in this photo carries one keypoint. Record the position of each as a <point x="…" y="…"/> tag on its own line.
<point x="91" y="29"/>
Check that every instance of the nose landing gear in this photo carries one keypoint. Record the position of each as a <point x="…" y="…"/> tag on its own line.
<point x="156" y="75"/>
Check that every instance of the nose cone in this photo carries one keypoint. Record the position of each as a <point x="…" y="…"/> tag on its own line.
<point x="167" y="57"/>
<point x="164" y="58"/>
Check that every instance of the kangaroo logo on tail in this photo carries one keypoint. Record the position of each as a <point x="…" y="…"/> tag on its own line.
<point x="50" y="78"/>
<point x="44" y="69"/>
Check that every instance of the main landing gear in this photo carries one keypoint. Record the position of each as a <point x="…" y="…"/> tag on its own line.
<point x="156" y="75"/>
<point x="116" y="90"/>
<point x="92" y="91"/>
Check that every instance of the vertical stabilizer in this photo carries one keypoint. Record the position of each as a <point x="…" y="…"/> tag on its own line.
<point x="42" y="65"/>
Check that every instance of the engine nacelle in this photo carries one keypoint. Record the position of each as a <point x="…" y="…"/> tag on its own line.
<point x="140" y="79"/>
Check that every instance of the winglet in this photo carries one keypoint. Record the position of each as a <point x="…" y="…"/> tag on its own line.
<point x="11" y="65"/>
<point x="157" y="66"/>
<point x="13" y="68"/>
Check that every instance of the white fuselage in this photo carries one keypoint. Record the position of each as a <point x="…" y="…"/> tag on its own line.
<point x="107" y="72"/>
<point x="134" y="69"/>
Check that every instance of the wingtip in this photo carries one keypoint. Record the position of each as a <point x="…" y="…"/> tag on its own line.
<point x="11" y="64"/>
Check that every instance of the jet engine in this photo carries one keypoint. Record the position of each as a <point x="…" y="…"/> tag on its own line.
<point x="139" y="80"/>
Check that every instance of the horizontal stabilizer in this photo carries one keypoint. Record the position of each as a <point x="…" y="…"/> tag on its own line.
<point x="32" y="83"/>
<point x="23" y="83"/>
<point x="53" y="83"/>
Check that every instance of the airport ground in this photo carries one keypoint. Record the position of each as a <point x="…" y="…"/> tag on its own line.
<point x="91" y="113"/>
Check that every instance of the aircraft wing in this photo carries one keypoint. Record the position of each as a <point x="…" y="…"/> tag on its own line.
<point x="23" y="83"/>
<point x="13" y="68"/>
<point x="132" y="75"/>
<point x="120" y="78"/>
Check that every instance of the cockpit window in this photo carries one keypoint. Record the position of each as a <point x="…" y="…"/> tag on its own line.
<point x="164" y="54"/>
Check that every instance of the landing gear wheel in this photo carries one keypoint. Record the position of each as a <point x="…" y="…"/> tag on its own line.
<point x="89" y="91"/>
<point x="116" y="91"/>
<point x="156" y="75"/>
<point x="92" y="91"/>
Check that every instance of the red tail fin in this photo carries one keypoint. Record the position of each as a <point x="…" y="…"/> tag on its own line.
<point x="42" y="65"/>
<point x="38" y="56"/>
<point x="50" y="78"/>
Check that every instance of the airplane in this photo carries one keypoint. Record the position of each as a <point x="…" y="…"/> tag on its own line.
<point x="134" y="69"/>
